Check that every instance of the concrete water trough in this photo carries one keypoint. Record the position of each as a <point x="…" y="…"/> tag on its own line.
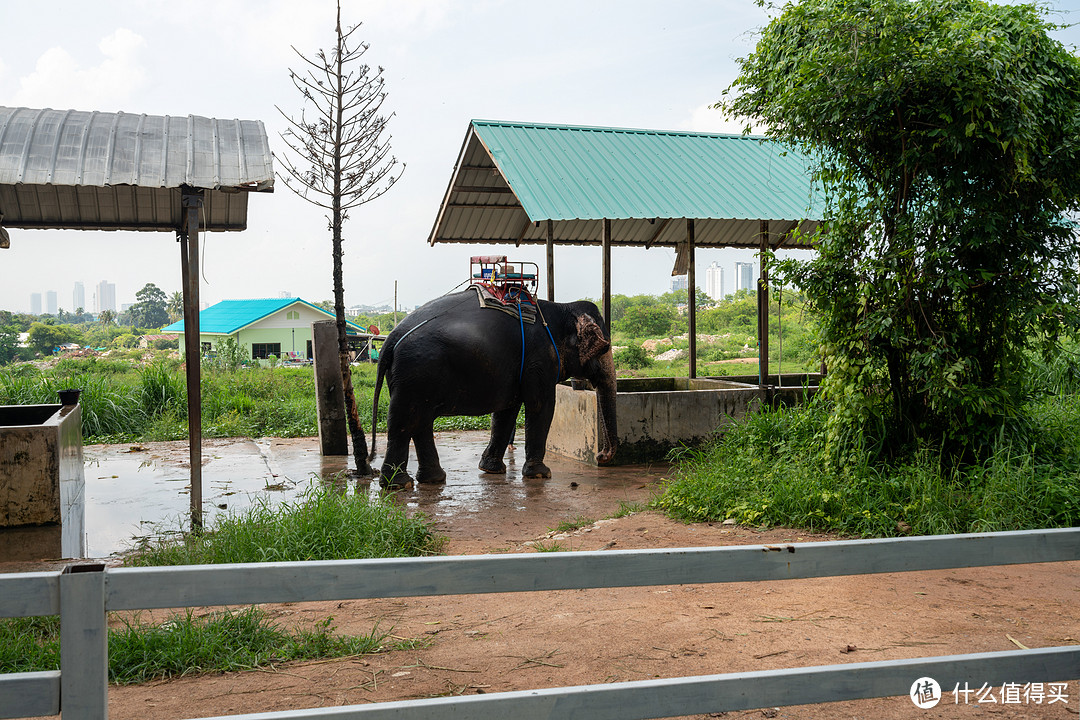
<point x="42" y="485"/>
<point x="655" y="415"/>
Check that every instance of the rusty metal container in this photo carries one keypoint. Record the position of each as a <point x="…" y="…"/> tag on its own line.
<point x="42" y="485"/>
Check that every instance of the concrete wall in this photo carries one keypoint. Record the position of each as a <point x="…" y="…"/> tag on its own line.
<point x="41" y="482"/>
<point x="655" y="415"/>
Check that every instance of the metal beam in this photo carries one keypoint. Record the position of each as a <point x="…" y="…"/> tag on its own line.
<point x="763" y="304"/>
<point x="551" y="260"/>
<point x="481" y="189"/>
<point x="84" y="643"/>
<point x="192" y="202"/>
<point x="605" y="244"/>
<point x="691" y="296"/>
<point x="730" y="692"/>
<point x="245" y="584"/>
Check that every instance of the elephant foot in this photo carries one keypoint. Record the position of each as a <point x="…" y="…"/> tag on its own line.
<point x="365" y="471"/>
<point x="431" y="476"/>
<point x="395" y="476"/>
<point x="535" y="469"/>
<point x="492" y="465"/>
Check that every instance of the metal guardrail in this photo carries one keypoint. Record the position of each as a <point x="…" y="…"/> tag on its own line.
<point x="83" y="595"/>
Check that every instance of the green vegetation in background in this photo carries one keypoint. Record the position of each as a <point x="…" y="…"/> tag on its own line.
<point x="774" y="468"/>
<point x="124" y="402"/>
<point x="223" y="641"/>
<point x="727" y="330"/>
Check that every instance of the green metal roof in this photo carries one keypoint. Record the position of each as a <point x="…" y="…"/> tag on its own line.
<point x="230" y="316"/>
<point x="511" y="175"/>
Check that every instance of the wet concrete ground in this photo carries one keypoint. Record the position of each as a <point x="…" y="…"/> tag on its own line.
<point x="138" y="491"/>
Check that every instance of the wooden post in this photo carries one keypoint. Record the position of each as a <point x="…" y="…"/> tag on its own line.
<point x="192" y="202"/>
<point x="763" y="304"/>
<point x="605" y="242"/>
<point x="329" y="393"/>
<point x="691" y="297"/>
<point x="551" y="260"/>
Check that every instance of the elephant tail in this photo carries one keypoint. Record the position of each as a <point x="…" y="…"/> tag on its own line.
<point x="383" y="358"/>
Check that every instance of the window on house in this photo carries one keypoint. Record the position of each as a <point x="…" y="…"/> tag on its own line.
<point x="293" y="315"/>
<point x="261" y="351"/>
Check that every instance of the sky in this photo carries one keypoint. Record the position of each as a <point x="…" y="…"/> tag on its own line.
<point x="615" y="63"/>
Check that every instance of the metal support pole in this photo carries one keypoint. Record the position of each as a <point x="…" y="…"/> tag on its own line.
<point x="551" y="260"/>
<point x="84" y="643"/>
<point x="605" y="243"/>
<point x="192" y="201"/>
<point x="763" y="305"/>
<point x="691" y="297"/>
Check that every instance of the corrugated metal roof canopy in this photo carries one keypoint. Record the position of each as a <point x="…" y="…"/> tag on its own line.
<point x="511" y="176"/>
<point x="70" y="169"/>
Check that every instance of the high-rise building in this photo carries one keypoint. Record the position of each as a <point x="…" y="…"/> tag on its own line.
<point x="35" y="303"/>
<point x="50" y="302"/>
<point x="78" y="297"/>
<point x="679" y="282"/>
<point x="106" y="296"/>
<point x="714" y="282"/>
<point x="744" y="276"/>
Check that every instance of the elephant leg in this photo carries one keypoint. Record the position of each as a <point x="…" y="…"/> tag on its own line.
<point x="503" y="424"/>
<point x="537" y="423"/>
<point x="398" y="433"/>
<point x="427" y="457"/>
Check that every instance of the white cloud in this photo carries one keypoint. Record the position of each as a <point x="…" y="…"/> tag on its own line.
<point x="58" y="80"/>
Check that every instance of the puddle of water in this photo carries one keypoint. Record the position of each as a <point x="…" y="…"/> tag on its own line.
<point x="140" y="491"/>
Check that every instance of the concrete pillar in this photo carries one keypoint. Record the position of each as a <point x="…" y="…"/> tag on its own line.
<point x="329" y="394"/>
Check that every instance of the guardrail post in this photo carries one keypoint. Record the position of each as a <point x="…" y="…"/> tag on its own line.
<point x="84" y="643"/>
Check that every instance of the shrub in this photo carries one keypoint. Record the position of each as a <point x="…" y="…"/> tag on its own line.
<point x="633" y="357"/>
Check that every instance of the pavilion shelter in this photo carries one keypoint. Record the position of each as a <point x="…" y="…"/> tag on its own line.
<point x="79" y="170"/>
<point x="526" y="183"/>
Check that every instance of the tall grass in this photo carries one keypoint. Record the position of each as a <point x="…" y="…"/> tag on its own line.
<point x="324" y="523"/>
<point x="770" y="469"/>
<point x="122" y="402"/>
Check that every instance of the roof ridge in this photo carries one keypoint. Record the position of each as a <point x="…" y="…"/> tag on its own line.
<point x="612" y="129"/>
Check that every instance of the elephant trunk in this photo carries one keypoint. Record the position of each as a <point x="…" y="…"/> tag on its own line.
<point x="605" y="397"/>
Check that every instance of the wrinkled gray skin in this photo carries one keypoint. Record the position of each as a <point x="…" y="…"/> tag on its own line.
<point x="452" y="357"/>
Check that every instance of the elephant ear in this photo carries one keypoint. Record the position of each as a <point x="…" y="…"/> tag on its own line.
<point x="591" y="340"/>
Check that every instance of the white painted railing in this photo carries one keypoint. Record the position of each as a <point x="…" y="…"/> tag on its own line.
<point x="83" y="595"/>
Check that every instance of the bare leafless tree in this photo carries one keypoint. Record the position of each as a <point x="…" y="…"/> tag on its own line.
<point x="340" y="160"/>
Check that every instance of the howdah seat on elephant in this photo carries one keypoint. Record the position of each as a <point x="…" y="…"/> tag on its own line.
<point x="454" y="356"/>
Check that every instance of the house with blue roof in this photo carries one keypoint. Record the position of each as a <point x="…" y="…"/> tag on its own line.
<point x="271" y="326"/>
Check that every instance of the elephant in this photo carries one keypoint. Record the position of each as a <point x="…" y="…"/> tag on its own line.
<point x="454" y="357"/>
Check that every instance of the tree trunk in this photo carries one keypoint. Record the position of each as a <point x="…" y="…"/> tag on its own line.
<point x="356" y="431"/>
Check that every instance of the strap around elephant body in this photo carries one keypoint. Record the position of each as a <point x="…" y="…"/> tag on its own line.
<point x="409" y="331"/>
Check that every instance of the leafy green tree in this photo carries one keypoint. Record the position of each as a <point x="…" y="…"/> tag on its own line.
<point x="737" y="312"/>
<point x="9" y="343"/>
<point x="947" y="136"/>
<point x="45" y="336"/>
<point x="175" y="307"/>
<point x="647" y="321"/>
<point x="20" y="321"/>
<point x="107" y="317"/>
<point x="150" y="309"/>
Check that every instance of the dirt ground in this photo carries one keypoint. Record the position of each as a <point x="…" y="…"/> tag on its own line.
<point x="496" y="643"/>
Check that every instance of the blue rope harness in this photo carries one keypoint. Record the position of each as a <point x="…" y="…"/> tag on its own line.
<point x="521" y="322"/>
